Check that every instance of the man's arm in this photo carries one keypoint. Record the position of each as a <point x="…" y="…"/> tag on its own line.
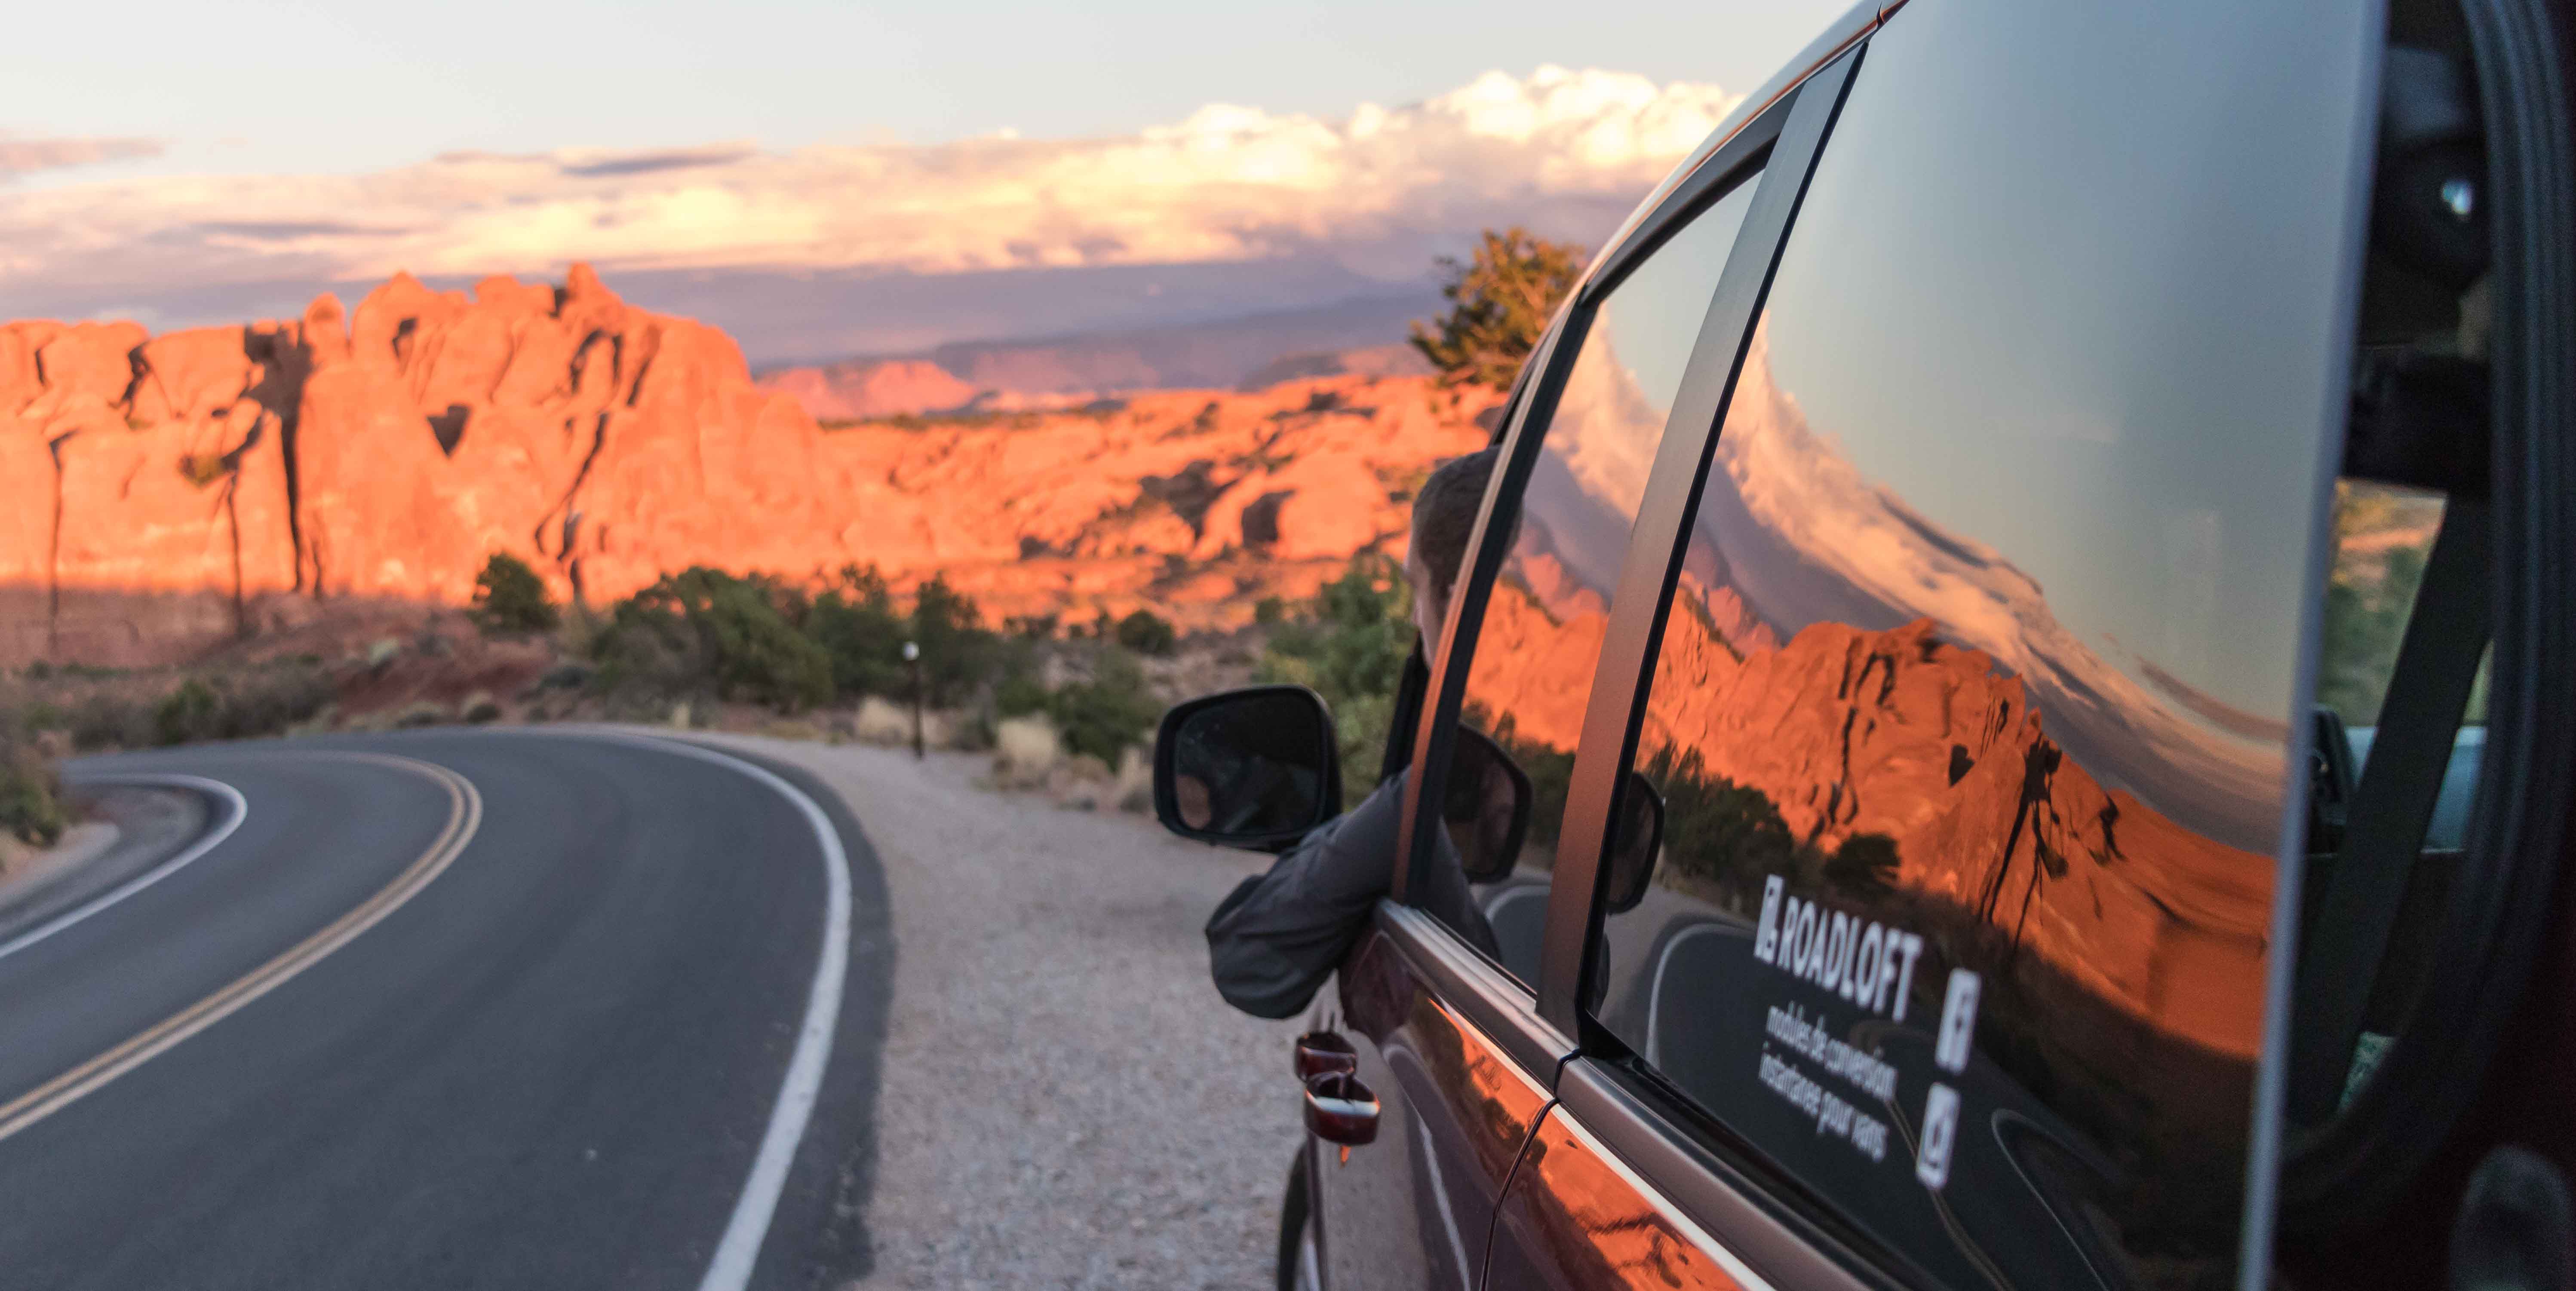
<point x="1275" y="938"/>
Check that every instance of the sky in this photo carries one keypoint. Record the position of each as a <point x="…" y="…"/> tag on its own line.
<point x="187" y="164"/>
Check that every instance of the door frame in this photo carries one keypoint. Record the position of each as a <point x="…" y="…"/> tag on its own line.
<point x="1776" y="149"/>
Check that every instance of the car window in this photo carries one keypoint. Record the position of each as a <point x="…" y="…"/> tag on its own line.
<point x="2385" y="537"/>
<point x="1550" y="604"/>
<point x="1973" y="708"/>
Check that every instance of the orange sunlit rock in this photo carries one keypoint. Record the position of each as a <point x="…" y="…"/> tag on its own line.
<point x="607" y="445"/>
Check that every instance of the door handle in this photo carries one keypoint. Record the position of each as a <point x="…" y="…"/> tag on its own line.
<point x="1339" y="1109"/>
<point x="1319" y="1052"/>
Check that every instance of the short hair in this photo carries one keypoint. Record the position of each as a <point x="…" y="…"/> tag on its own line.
<point x="1444" y="514"/>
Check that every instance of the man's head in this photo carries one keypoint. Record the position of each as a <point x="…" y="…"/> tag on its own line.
<point x="1444" y="515"/>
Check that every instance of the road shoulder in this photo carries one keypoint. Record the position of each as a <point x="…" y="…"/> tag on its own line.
<point x="1065" y="1100"/>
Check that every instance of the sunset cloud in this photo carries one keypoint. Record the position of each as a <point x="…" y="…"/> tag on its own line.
<point x="19" y="156"/>
<point x="1564" y="151"/>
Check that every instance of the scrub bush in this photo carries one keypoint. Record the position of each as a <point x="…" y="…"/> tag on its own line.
<point x="1104" y="715"/>
<point x="510" y="598"/>
<point x="1146" y="632"/>
<point x="704" y="631"/>
<point x="1349" y="645"/>
<point x="31" y="796"/>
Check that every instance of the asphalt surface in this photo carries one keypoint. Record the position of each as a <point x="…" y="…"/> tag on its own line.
<point x="548" y="1055"/>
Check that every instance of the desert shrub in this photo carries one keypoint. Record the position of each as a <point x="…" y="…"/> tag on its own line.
<point x="1270" y="610"/>
<point x="958" y="653"/>
<point x="855" y="621"/>
<point x="31" y="796"/>
<point x="706" y="631"/>
<point x="1111" y="710"/>
<point x="1349" y="645"/>
<point x="1019" y="692"/>
<point x="106" y="721"/>
<point x="1146" y="632"/>
<point x="1500" y="301"/>
<point x="188" y="714"/>
<point x="271" y="701"/>
<point x="510" y="598"/>
<point x="266" y="702"/>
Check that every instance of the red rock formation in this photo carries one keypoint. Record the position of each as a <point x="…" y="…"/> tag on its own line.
<point x="387" y="452"/>
<point x="862" y="389"/>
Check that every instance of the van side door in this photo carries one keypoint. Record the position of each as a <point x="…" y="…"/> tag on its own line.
<point x="1976" y="691"/>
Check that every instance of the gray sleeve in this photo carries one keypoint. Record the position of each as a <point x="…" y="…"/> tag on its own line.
<point x="1277" y="937"/>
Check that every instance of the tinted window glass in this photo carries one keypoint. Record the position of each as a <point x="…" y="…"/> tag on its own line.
<point x="1972" y="709"/>
<point x="2375" y="590"/>
<point x="1544" y="621"/>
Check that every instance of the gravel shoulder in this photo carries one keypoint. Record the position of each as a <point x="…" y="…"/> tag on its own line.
<point x="1065" y="1101"/>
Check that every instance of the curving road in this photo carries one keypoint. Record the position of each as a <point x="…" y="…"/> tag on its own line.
<point x="452" y="1009"/>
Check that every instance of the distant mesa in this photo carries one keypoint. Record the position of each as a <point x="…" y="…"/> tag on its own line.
<point x="1365" y="361"/>
<point x="166" y="492"/>
<point x="1249" y="352"/>
<point x="866" y="389"/>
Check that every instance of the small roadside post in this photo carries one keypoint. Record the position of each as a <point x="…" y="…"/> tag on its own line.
<point x="912" y="655"/>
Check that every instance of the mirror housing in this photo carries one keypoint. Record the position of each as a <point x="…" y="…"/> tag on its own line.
<point x="1253" y="768"/>
<point x="1485" y="807"/>
<point x="1628" y="868"/>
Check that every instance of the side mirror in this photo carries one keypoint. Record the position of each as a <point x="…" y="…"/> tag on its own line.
<point x="1253" y="768"/>
<point x="1635" y="842"/>
<point x="1486" y="807"/>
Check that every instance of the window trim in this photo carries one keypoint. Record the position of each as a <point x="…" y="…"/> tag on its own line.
<point x="1616" y="710"/>
<point x="1781" y="141"/>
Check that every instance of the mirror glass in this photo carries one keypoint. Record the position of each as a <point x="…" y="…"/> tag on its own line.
<point x="1252" y="766"/>
<point x="1634" y="844"/>
<point x="1486" y="807"/>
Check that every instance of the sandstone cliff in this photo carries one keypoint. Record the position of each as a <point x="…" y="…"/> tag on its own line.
<point x="165" y="492"/>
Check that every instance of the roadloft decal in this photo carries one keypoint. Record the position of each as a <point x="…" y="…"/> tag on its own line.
<point x="1870" y="965"/>
<point x="1833" y="1116"/>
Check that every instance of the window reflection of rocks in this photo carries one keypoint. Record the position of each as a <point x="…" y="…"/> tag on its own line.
<point x="1549" y="608"/>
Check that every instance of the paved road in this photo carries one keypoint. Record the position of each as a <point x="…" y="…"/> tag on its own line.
<point x="453" y="1009"/>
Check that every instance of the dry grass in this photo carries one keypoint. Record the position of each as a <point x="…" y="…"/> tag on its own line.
<point x="883" y="722"/>
<point x="1026" y="751"/>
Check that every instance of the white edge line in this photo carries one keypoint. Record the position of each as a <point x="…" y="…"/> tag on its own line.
<point x="232" y="797"/>
<point x="748" y="1230"/>
<point x="1448" y="1213"/>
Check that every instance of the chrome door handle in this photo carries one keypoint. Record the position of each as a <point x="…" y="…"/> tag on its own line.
<point x="1339" y="1109"/>
<point x="1320" y="1052"/>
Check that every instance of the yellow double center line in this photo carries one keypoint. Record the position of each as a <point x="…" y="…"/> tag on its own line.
<point x="465" y="812"/>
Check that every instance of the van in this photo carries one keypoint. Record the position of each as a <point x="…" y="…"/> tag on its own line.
<point x="2011" y="708"/>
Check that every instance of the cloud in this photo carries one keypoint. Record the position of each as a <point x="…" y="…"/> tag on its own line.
<point x="20" y="156"/>
<point x="1377" y="192"/>
<point x="648" y="163"/>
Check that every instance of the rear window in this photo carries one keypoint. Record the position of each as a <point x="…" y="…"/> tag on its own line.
<point x="1974" y="708"/>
